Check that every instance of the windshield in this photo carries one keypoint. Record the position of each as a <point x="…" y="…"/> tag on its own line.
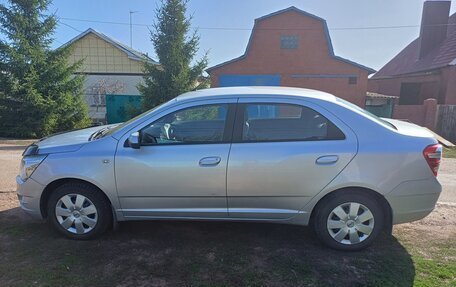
<point x="366" y="113"/>
<point x="120" y="126"/>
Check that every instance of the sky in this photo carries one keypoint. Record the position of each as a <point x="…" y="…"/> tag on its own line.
<point x="225" y="25"/>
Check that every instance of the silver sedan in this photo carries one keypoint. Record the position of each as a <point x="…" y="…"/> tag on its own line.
<point x="282" y="155"/>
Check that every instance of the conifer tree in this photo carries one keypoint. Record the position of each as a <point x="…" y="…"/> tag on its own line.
<point x="176" y="48"/>
<point x="39" y="93"/>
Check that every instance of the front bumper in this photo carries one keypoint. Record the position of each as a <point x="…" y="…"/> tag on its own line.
<point x="413" y="200"/>
<point x="29" y="194"/>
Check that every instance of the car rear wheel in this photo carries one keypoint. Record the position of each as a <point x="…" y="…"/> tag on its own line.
<point x="348" y="220"/>
<point x="78" y="211"/>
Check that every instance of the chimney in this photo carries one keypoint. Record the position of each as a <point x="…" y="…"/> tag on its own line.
<point x="434" y="24"/>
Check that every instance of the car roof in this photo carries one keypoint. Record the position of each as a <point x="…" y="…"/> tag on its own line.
<point x="236" y="92"/>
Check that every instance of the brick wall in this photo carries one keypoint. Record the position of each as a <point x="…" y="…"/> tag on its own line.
<point x="313" y="57"/>
<point x="449" y="76"/>
<point x="423" y="115"/>
<point x="412" y="113"/>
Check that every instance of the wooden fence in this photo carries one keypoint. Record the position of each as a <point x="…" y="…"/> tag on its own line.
<point x="446" y="122"/>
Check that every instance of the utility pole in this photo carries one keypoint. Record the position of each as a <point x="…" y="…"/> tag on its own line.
<point x="131" y="29"/>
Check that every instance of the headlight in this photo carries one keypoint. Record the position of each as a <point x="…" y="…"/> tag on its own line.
<point x="29" y="164"/>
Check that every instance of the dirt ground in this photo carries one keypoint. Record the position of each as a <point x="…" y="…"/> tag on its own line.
<point x="447" y="177"/>
<point x="10" y="159"/>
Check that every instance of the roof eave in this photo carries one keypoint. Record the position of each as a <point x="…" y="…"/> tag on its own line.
<point x="208" y="70"/>
<point x="379" y="96"/>
<point x="411" y="74"/>
<point x="147" y="59"/>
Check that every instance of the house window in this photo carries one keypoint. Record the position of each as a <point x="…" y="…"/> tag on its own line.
<point x="352" y="80"/>
<point x="410" y="94"/>
<point x="289" y="42"/>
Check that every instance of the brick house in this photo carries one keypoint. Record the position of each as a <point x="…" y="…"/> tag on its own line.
<point x="426" y="68"/>
<point x="293" y="48"/>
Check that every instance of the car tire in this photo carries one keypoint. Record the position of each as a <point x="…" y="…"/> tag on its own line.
<point x="78" y="210"/>
<point x="348" y="220"/>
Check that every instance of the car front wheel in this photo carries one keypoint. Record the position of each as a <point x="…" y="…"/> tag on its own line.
<point x="349" y="220"/>
<point x="78" y="211"/>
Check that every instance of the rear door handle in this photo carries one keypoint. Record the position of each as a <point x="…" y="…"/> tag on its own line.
<point x="327" y="159"/>
<point x="210" y="161"/>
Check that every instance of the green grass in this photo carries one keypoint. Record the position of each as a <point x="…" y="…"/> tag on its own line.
<point x="449" y="152"/>
<point x="436" y="268"/>
<point x="217" y="254"/>
<point x="434" y="272"/>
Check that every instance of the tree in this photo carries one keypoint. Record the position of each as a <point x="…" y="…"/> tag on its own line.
<point x="176" y="50"/>
<point x="39" y="94"/>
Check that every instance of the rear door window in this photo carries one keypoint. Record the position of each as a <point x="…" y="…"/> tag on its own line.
<point x="263" y="122"/>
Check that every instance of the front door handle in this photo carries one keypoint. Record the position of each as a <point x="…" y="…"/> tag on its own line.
<point x="210" y="161"/>
<point x="327" y="159"/>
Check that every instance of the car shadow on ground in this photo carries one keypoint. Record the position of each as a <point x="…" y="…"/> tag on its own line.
<point x="175" y="253"/>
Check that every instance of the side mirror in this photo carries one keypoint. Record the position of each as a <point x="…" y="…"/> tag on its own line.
<point x="134" y="140"/>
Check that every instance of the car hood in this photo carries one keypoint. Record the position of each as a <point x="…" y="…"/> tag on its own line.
<point x="63" y="142"/>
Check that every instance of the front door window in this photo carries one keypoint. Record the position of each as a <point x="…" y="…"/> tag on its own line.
<point x="201" y="124"/>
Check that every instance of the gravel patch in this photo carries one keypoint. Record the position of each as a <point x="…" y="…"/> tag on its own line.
<point x="10" y="158"/>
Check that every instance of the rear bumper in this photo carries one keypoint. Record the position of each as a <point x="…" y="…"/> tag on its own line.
<point x="29" y="194"/>
<point x="413" y="200"/>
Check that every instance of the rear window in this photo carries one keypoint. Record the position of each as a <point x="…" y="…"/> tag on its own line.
<point x="367" y="114"/>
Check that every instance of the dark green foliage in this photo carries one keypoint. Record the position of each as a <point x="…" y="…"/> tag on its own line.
<point x="38" y="93"/>
<point x="176" y="50"/>
<point x="199" y="113"/>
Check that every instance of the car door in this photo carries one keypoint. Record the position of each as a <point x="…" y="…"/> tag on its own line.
<point x="283" y="154"/>
<point x="180" y="168"/>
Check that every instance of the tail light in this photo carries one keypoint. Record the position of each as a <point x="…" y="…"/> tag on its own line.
<point x="433" y="156"/>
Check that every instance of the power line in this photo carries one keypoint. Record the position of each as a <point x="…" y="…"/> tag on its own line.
<point x="103" y="22"/>
<point x="249" y="29"/>
<point x="76" y="29"/>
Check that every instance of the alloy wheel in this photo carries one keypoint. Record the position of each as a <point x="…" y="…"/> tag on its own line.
<point x="76" y="213"/>
<point x="350" y="223"/>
